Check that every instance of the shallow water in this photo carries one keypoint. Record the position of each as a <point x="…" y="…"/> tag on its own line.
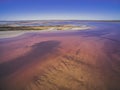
<point x="67" y="60"/>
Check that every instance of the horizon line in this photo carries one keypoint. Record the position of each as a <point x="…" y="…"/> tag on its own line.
<point x="62" y="20"/>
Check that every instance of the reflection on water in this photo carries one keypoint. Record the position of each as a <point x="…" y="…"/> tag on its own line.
<point x="62" y="60"/>
<point x="38" y="51"/>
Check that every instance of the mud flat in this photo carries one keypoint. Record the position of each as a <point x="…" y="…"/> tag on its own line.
<point x="67" y="60"/>
<point x="51" y="27"/>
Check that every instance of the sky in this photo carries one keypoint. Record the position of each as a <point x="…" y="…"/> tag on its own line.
<point x="59" y="10"/>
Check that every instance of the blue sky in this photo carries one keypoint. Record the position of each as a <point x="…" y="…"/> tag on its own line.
<point x="59" y="9"/>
